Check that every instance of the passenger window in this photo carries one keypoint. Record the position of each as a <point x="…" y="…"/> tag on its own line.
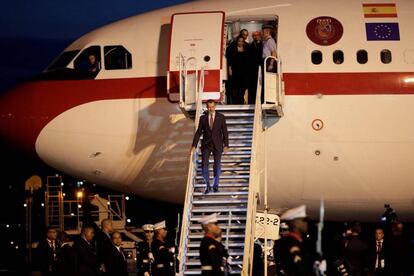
<point x="386" y="56"/>
<point x="338" y="57"/>
<point x="362" y="56"/>
<point x="89" y="60"/>
<point x="117" y="57"/>
<point x="316" y="57"/>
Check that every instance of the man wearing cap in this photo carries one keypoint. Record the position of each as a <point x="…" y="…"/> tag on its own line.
<point x="164" y="257"/>
<point x="290" y="253"/>
<point x="214" y="129"/>
<point x="145" y="257"/>
<point x="212" y="252"/>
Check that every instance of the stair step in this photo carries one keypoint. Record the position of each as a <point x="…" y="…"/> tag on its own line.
<point x="222" y="226"/>
<point x="215" y="209"/>
<point x="221" y="218"/>
<point x="237" y="107"/>
<point x="227" y="177"/>
<point x="224" y="201"/>
<point x="233" y="152"/>
<point x="240" y="129"/>
<point x="229" y="168"/>
<point x="222" y="193"/>
<point x="237" y="114"/>
<point x="243" y="121"/>
<point x="225" y="180"/>
<point x="224" y="185"/>
<point x="232" y="252"/>
<point x="226" y="158"/>
<point x="198" y="272"/>
<point x="196" y="262"/>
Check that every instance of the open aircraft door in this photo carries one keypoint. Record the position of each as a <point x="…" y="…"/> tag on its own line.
<point x="196" y="45"/>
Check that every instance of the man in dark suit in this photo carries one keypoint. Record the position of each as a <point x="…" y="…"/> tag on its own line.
<point x="66" y="263"/>
<point x="378" y="255"/>
<point x="214" y="129"/>
<point x="88" y="264"/>
<point x="356" y="252"/>
<point x="115" y="261"/>
<point x="104" y="242"/>
<point x="47" y="250"/>
<point x="256" y="52"/>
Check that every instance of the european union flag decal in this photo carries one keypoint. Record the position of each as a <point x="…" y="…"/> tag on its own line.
<point x="382" y="31"/>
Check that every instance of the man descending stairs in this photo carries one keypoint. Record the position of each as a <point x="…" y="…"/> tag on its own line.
<point x="231" y="199"/>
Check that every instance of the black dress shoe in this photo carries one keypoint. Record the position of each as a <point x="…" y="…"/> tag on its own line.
<point x="215" y="189"/>
<point x="207" y="190"/>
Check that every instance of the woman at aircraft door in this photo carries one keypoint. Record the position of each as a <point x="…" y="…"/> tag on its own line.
<point x="239" y="62"/>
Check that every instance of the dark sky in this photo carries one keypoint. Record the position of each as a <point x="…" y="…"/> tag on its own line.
<point x="32" y="33"/>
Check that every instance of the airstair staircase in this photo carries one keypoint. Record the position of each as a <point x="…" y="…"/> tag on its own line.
<point x="232" y="198"/>
<point x="243" y="172"/>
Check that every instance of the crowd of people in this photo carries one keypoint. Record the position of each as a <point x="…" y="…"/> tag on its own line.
<point x="382" y="253"/>
<point x="244" y="60"/>
<point x="98" y="251"/>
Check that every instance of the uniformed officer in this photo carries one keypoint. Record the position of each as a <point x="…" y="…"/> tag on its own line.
<point x="145" y="257"/>
<point x="212" y="252"/>
<point x="163" y="254"/>
<point x="290" y="253"/>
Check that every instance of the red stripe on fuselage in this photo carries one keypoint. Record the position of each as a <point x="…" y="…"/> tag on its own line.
<point x="349" y="83"/>
<point x="27" y="109"/>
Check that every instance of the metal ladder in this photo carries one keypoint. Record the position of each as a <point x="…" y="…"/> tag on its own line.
<point x="54" y="203"/>
<point x="232" y="198"/>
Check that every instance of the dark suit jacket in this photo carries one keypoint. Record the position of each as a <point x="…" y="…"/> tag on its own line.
<point x="384" y="255"/>
<point x="46" y="257"/>
<point x="66" y="264"/>
<point x="356" y="256"/>
<point x="115" y="264"/>
<point x="103" y="245"/>
<point x="216" y="136"/>
<point x="88" y="264"/>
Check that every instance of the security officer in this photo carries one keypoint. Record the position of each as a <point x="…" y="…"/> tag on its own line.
<point x="163" y="254"/>
<point x="145" y="257"/>
<point x="212" y="252"/>
<point x="290" y="253"/>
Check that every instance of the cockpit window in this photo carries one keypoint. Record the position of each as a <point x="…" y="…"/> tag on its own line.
<point x="89" y="60"/>
<point x="117" y="57"/>
<point x="63" y="60"/>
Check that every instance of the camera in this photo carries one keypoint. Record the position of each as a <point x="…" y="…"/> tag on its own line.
<point x="389" y="214"/>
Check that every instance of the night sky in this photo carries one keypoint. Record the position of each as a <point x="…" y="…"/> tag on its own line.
<point x="32" y="34"/>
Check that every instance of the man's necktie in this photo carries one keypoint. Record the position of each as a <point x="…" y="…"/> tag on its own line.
<point x="379" y="247"/>
<point x="211" y="121"/>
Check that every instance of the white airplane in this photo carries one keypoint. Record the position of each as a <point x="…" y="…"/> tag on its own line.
<point x="346" y="136"/>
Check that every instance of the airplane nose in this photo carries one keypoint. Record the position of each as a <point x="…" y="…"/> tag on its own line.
<point x="22" y="116"/>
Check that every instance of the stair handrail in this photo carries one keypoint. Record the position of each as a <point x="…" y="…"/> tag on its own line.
<point x="181" y="77"/>
<point x="279" y="87"/>
<point x="254" y="182"/>
<point x="197" y="81"/>
<point x="192" y="168"/>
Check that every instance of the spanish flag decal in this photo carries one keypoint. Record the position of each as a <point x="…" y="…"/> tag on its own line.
<point x="379" y="10"/>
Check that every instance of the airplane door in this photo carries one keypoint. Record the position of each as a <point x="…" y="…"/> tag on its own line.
<point x="196" y="42"/>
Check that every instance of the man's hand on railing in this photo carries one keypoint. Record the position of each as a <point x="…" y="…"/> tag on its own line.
<point x="226" y="149"/>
